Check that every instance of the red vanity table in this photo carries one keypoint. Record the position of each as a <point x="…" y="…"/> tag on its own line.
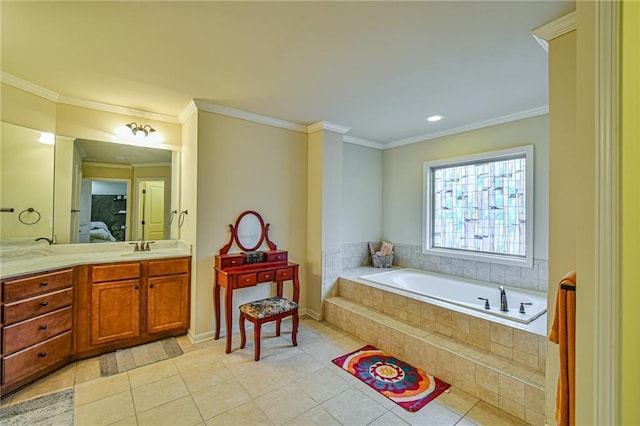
<point x="232" y="271"/>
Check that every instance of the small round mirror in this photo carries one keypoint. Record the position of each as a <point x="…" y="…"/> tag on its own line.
<point x="249" y="231"/>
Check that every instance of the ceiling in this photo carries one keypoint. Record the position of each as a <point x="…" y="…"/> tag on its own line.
<point x="379" y="68"/>
<point x="122" y="154"/>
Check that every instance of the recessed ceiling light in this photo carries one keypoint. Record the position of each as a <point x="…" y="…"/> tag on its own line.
<point x="433" y="118"/>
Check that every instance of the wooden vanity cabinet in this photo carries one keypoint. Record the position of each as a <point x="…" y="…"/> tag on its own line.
<point x="37" y="326"/>
<point x="129" y="303"/>
<point x="168" y="295"/>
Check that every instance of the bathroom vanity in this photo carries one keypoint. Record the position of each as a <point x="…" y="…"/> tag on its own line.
<point x="87" y="304"/>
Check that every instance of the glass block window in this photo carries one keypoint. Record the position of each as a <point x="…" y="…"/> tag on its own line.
<point x="481" y="206"/>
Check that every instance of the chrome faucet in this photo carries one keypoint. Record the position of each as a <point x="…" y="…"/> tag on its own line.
<point x="49" y="240"/>
<point x="503" y="300"/>
<point x="142" y="245"/>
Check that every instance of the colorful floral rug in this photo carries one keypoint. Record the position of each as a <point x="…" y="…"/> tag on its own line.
<point x="407" y="386"/>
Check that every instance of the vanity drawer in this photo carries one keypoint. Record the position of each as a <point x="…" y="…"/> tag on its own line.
<point x="35" y="358"/>
<point x="168" y="267"/>
<point x="229" y="260"/>
<point x="284" y="274"/>
<point x="38" y="284"/>
<point x="115" y="272"/>
<point x="26" y="333"/>
<point x="277" y="256"/>
<point x="247" y="280"/>
<point x="266" y="276"/>
<point x="18" y="311"/>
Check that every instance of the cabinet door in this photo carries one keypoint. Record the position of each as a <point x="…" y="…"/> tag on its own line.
<point x="167" y="303"/>
<point x="115" y="311"/>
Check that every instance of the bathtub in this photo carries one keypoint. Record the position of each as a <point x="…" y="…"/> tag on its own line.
<point x="464" y="292"/>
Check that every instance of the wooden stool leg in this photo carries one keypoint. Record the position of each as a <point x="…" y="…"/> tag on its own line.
<point x="294" y="333"/>
<point x="278" y="327"/>
<point x="243" y="336"/>
<point x="256" y="338"/>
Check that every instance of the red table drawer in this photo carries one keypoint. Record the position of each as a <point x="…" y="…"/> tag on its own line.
<point x="284" y="274"/>
<point x="247" y="280"/>
<point x="266" y="276"/>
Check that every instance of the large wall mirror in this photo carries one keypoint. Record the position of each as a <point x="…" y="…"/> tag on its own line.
<point x="26" y="176"/>
<point x="87" y="191"/>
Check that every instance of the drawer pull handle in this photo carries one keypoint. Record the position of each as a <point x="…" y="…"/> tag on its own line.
<point x="44" y="283"/>
<point x="151" y="286"/>
<point x="42" y="354"/>
<point x="136" y="287"/>
<point x="45" y="303"/>
<point x="43" y="327"/>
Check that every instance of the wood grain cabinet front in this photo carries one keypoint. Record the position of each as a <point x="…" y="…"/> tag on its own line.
<point x="130" y="303"/>
<point x="115" y="311"/>
<point x="37" y="326"/>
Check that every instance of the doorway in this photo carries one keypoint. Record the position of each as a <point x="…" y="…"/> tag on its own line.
<point x="151" y="210"/>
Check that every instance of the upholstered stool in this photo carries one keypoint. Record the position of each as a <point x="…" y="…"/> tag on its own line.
<point x="266" y="310"/>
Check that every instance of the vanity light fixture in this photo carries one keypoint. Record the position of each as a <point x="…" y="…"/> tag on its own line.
<point x="434" y="118"/>
<point x="135" y="128"/>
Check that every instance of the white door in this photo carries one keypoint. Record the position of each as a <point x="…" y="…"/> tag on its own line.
<point x="152" y="203"/>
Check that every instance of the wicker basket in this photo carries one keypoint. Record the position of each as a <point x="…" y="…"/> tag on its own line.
<point x="380" y="261"/>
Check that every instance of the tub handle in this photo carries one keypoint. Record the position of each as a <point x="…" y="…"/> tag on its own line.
<point x="522" y="311"/>
<point x="486" y="302"/>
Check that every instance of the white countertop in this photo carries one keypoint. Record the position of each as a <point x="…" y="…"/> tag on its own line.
<point x="41" y="257"/>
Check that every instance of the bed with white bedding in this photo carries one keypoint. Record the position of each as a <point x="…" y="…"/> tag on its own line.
<point x="99" y="233"/>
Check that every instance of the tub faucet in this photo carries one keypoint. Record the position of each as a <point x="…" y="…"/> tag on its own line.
<point x="503" y="300"/>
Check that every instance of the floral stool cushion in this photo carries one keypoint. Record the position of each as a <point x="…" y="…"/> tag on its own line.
<point x="268" y="307"/>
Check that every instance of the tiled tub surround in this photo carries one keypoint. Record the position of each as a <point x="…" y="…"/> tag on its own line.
<point x="411" y="256"/>
<point x="477" y="295"/>
<point x="499" y="364"/>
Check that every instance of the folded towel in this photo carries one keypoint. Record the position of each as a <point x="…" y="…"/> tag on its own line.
<point x="563" y="332"/>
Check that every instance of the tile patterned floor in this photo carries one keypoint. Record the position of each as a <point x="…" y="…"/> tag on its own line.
<point x="289" y="385"/>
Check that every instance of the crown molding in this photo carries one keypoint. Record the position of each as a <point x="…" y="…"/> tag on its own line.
<point x="555" y="28"/>
<point x="187" y="111"/>
<point x="358" y="141"/>
<point x="249" y="116"/>
<point x="29" y="87"/>
<point x="50" y="95"/>
<point x="117" y="109"/>
<point x="327" y="125"/>
<point x="468" y="127"/>
<point x="106" y="165"/>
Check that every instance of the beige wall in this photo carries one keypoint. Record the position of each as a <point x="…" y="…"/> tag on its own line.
<point x="361" y="194"/>
<point x="27" y="110"/>
<point x="331" y="189"/>
<point x="630" y="218"/>
<point x="402" y="176"/>
<point x="241" y="166"/>
<point x="85" y="123"/>
<point x="315" y="161"/>
<point x="563" y="181"/>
